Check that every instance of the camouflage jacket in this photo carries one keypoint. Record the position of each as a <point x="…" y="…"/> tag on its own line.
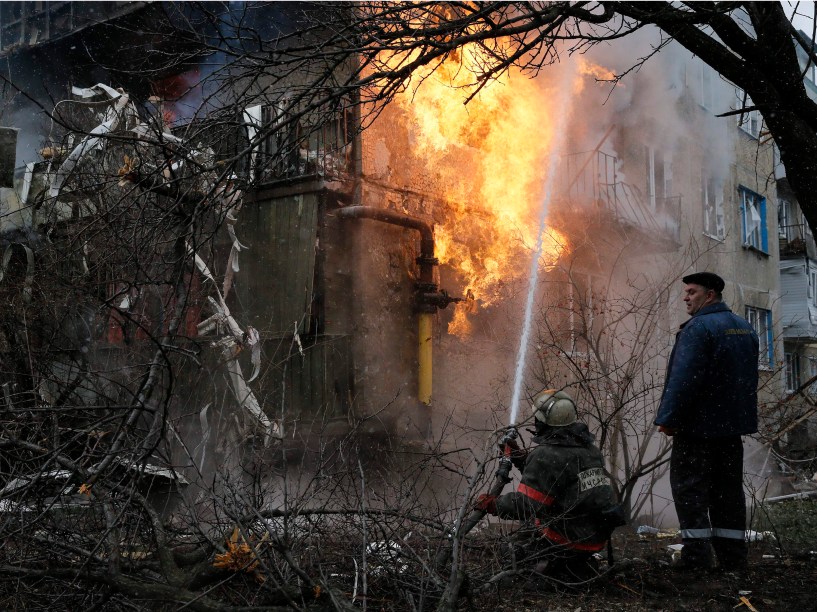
<point x="564" y="490"/>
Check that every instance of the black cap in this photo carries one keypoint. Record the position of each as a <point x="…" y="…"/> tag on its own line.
<point x="709" y="280"/>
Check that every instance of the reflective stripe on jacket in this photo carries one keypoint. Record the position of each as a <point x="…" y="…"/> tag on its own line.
<point x="563" y="490"/>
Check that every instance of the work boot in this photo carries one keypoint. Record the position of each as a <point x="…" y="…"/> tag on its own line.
<point x="736" y="571"/>
<point x="696" y="556"/>
<point x="688" y="566"/>
<point x="732" y="554"/>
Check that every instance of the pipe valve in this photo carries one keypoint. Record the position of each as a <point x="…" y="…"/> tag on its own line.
<point x="430" y="301"/>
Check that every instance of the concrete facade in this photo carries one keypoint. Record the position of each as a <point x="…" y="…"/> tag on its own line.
<point x="336" y="303"/>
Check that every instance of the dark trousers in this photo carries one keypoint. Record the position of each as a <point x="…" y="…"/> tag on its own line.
<point x="528" y="549"/>
<point x="707" y="486"/>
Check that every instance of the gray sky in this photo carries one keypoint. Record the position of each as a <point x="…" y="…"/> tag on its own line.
<point x="801" y="14"/>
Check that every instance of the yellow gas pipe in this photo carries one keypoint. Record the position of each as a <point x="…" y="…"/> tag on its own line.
<point x="424" y="358"/>
<point x="429" y="297"/>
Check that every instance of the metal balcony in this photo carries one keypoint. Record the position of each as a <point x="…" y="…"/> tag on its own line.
<point x="592" y="181"/>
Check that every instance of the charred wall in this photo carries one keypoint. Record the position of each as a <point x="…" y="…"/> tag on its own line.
<point x="293" y="288"/>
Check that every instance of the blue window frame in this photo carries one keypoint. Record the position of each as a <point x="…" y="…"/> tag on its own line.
<point x="753" y="220"/>
<point x="761" y="320"/>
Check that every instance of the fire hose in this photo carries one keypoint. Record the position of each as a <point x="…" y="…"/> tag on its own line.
<point x="502" y="477"/>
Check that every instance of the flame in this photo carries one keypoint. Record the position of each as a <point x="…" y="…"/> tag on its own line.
<point x="599" y="73"/>
<point x="489" y="158"/>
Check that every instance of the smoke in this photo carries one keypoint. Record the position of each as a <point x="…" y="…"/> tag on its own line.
<point x="33" y="126"/>
<point x="655" y="103"/>
<point x="654" y="106"/>
<point x="28" y="91"/>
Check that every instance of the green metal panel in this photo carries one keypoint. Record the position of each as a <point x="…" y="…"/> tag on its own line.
<point x="315" y="383"/>
<point x="278" y="271"/>
<point x="275" y="287"/>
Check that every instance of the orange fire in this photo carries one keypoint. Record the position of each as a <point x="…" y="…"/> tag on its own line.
<point x="599" y="73"/>
<point x="489" y="159"/>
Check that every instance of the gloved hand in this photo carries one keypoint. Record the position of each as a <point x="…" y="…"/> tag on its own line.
<point x="667" y="431"/>
<point x="486" y="503"/>
<point x="517" y="455"/>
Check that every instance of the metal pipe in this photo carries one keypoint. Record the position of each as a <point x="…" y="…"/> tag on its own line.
<point x="426" y="259"/>
<point x="427" y="288"/>
<point x="424" y="358"/>
<point x="780" y="498"/>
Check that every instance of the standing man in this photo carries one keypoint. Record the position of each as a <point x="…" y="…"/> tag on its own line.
<point x="709" y="402"/>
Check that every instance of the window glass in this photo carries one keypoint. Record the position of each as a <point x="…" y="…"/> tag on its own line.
<point x="753" y="220"/>
<point x="792" y="368"/>
<point x="750" y="121"/>
<point x="812" y="287"/>
<point x="712" y="200"/>
<point x="784" y="229"/>
<point x="761" y="320"/>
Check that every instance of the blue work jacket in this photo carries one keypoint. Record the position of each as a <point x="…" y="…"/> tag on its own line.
<point x="711" y="385"/>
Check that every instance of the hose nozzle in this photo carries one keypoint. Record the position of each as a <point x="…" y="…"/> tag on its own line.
<point x="510" y="435"/>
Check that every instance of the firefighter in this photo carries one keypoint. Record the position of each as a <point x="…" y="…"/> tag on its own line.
<point x="564" y="498"/>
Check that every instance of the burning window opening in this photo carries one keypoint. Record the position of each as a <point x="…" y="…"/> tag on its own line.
<point x="177" y="99"/>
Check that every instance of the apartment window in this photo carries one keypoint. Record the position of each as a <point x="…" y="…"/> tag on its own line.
<point x="751" y="121"/>
<point x="659" y="180"/>
<point x="792" y="369"/>
<point x="712" y="198"/>
<point x="812" y="285"/>
<point x="761" y="320"/>
<point x="784" y="219"/>
<point x="753" y="220"/>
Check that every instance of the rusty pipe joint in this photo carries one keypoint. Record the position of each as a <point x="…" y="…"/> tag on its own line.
<point x="426" y="260"/>
<point x="426" y="257"/>
<point x="431" y="301"/>
<point x="429" y="297"/>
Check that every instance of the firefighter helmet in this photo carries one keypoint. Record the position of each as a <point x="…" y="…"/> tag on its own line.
<point x="554" y="408"/>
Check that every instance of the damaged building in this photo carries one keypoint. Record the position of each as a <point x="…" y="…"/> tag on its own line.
<point x="266" y="275"/>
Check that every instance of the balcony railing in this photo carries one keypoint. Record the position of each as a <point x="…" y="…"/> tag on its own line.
<point x="31" y="23"/>
<point x="302" y="148"/>
<point x="594" y="178"/>
<point x="794" y="239"/>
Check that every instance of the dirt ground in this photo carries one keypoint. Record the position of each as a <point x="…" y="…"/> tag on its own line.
<point x="646" y="581"/>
